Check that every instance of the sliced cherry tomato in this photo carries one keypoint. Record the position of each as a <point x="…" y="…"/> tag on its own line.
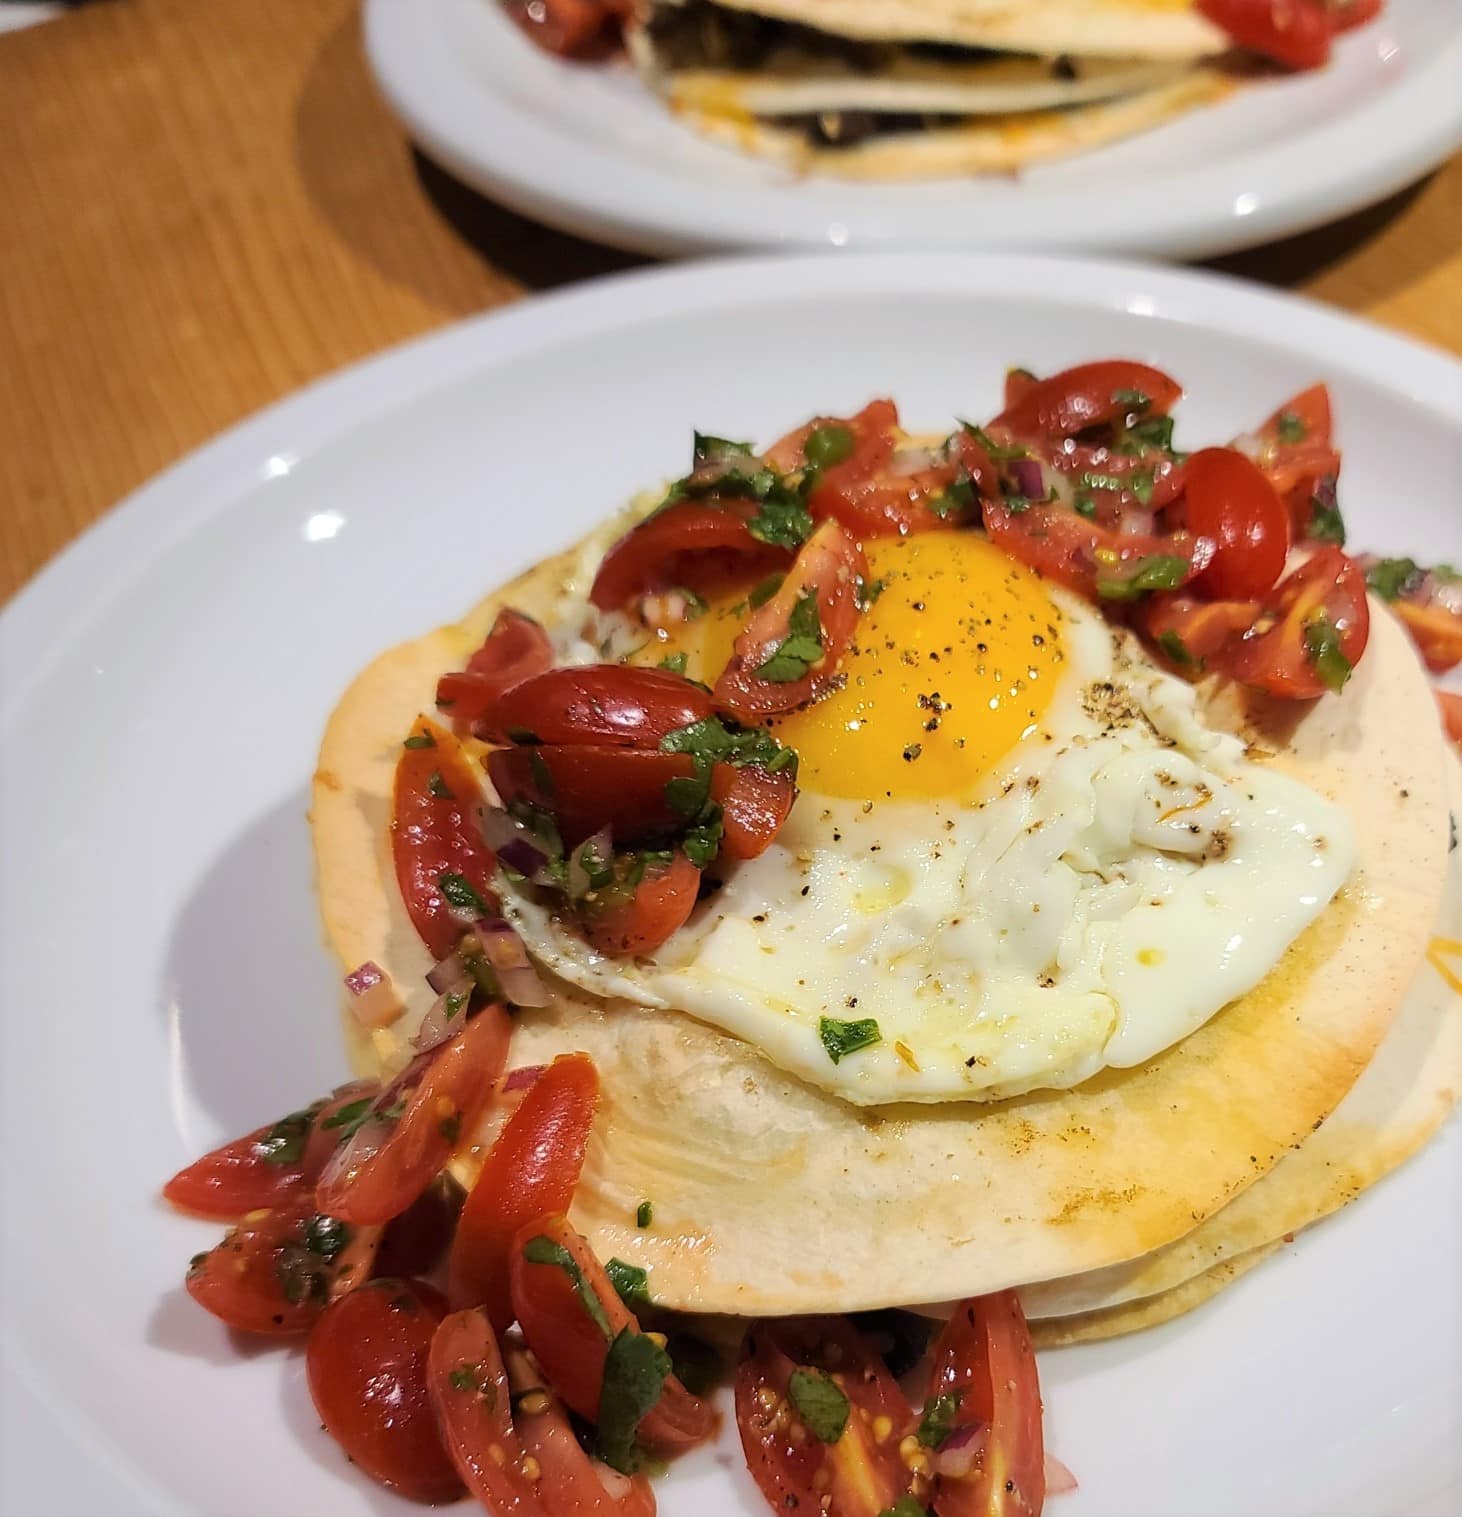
<point x="1298" y="457"/>
<point x="569" y="1482"/>
<point x="754" y="804"/>
<point x="984" y="1363"/>
<point x="1321" y="626"/>
<point x="571" y="1345"/>
<point x="418" y="1240"/>
<point x="1345" y="15"/>
<point x="1098" y="561"/>
<point x="414" y="1124"/>
<point x="627" y="918"/>
<point x="531" y="1170"/>
<point x="367" y="1367"/>
<point x="1227" y="498"/>
<point x="256" y="1171"/>
<point x="764" y="677"/>
<point x="1018" y="384"/>
<point x="279" y="1269"/>
<point x="604" y="705"/>
<point x="1436" y="631"/>
<point x="436" y="830"/>
<point x="570" y="28"/>
<point x="682" y="545"/>
<point x="1193" y="632"/>
<point x="797" y="1461"/>
<point x="1451" y="704"/>
<point x="1090" y="395"/>
<point x="470" y="1393"/>
<point x="584" y="789"/>
<point x="515" y="649"/>
<point x="1295" y="33"/>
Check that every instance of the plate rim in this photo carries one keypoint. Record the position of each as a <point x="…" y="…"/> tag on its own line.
<point x="1197" y="217"/>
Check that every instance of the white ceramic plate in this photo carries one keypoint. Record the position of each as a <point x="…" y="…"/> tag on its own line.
<point x="587" y="148"/>
<point x="162" y="983"/>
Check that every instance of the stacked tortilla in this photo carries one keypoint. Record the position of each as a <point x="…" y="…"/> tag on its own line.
<point x="1114" y="1205"/>
<point x="889" y="89"/>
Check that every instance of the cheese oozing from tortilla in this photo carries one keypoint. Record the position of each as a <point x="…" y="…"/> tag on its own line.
<point x="1018" y="856"/>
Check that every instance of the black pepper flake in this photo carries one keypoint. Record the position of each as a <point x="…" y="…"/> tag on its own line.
<point x="912" y="752"/>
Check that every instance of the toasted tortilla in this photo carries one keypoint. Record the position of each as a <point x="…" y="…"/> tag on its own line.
<point x="1407" y="1091"/>
<point x="1105" y="28"/>
<point x="771" y="1198"/>
<point x="993" y="144"/>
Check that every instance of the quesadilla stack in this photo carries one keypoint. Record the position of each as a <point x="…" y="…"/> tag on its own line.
<point x="878" y="89"/>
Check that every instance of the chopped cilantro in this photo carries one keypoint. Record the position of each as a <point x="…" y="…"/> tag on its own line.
<point x="300" y="1274"/>
<point x="1151" y="432"/>
<point x="1084" y="505"/>
<point x="819" y="1403"/>
<point x="762" y="593"/>
<point x="712" y="739"/>
<point x="644" y="1214"/>
<point x="1289" y="427"/>
<point x="458" y="892"/>
<point x="454" y="1001"/>
<point x="324" y="1235"/>
<point x="1326" y="524"/>
<point x="938" y="1420"/>
<point x="997" y="453"/>
<point x="866" y="591"/>
<point x="674" y="662"/>
<point x="800" y="649"/>
<point x="702" y="842"/>
<point x="463" y="1378"/>
<point x="635" y="1370"/>
<point x="350" y="1116"/>
<point x="958" y="496"/>
<point x="1157" y="571"/>
<point x="829" y="445"/>
<point x="284" y="1143"/>
<point x="1390" y="578"/>
<point x="439" y="787"/>
<point x="708" y="447"/>
<point x="542" y="774"/>
<point x="630" y="1282"/>
<point x="1132" y="400"/>
<point x="541" y="1250"/>
<point x="783" y="521"/>
<point x="1017" y="504"/>
<point x="844" y="1038"/>
<point x="1322" y="645"/>
<point x="688" y="794"/>
<point x="420" y="740"/>
<point x="1176" y="649"/>
<point x="598" y="870"/>
<point x="906" y="1506"/>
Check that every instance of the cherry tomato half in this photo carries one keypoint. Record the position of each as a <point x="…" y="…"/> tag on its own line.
<point x="1193" y="632"/>
<point x="279" y="1269"/>
<point x="1321" y="626"/>
<point x="1295" y="33"/>
<point x="1227" y="498"/>
<point x="796" y="1461"/>
<point x="516" y="648"/>
<point x="415" y="1123"/>
<point x="762" y="679"/>
<point x="257" y="1170"/>
<point x="604" y="705"/>
<point x="367" y="1367"/>
<point x="570" y="28"/>
<point x="1089" y="395"/>
<point x="984" y="1363"/>
<point x="754" y="805"/>
<point x="1451" y="704"/>
<point x="435" y="830"/>
<point x="1436" y="631"/>
<point x="531" y="1170"/>
<point x="571" y="1346"/>
<point x="628" y="918"/>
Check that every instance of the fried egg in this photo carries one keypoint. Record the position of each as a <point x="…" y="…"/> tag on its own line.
<point x="1018" y="856"/>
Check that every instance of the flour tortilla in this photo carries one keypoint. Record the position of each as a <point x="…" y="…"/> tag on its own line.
<point x="772" y="1199"/>
<point x="1408" y="1090"/>
<point x="1105" y="28"/>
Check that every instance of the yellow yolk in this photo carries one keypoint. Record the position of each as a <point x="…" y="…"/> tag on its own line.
<point x="952" y="665"/>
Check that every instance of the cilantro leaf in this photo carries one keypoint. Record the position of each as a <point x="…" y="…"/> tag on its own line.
<point x="906" y="1506"/>
<point x="350" y="1116"/>
<point x="843" y="1038"/>
<point x="630" y="1282"/>
<point x="702" y="842"/>
<point x="420" y="740"/>
<point x="938" y="1420"/>
<point x="1322" y="646"/>
<point x="1176" y="649"/>
<point x="1390" y="578"/>
<point x="1289" y="427"/>
<point x="674" y="662"/>
<point x="324" y="1235"/>
<point x="819" y="1403"/>
<point x="709" y="447"/>
<point x="783" y="520"/>
<point x="460" y="894"/>
<point x="998" y="454"/>
<point x="541" y="1250"/>
<point x="762" y="593"/>
<point x="635" y="1370"/>
<point x="284" y="1143"/>
<point x="1157" y="571"/>
<point x="712" y="739"/>
<point x="800" y="649"/>
<point x="644" y="1213"/>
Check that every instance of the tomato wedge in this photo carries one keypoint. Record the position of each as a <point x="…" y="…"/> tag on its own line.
<point x="603" y="705"/>
<point x="820" y="1415"/>
<point x="278" y="1269"/>
<point x="413" y="1125"/>
<point x="1295" y="33"/>
<point x="985" y="1367"/>
<point x="1227" y="498"/>
<point x="790" y="647"/>
<point x="470" y="1394"/>
<point x="625" y="919"/>
<point x="531" y="1170"/>
<point x="516" y="648"/>
<point x="682" y="545"/>
<point x="435" y="830"/>
<point x="586" y="788"/>
<point x="1089" y="395"/>
<point x="551" y="1298"/>
<point x="1191" y="632"/>
<point x="1436" y="631"/>
<point x="366" y="1362"/>
<point x="1321" y="624"/>
<point x="569" y="1482"/>
<point x="1296" y="452"/>
<point x="754" y="804"/>
<point x="257" y="1170"/>
<point x="1451" y="704"/>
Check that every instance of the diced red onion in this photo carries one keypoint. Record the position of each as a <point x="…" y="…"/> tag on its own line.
<point x="368" y="1139"/>
<point x="907" y="461"/>
<point x="961" y="1451"/>
<point x="443" y="975"/>
<point x="602" y="847"/>
<point x="441" y="1021"/>
<point x="514" y="846"/>
<point x="524" y="1076"/>
<point x="1250" y="445"/>
<point x="1136" y="522"/>
<point x="1030" y="478"/>
<point x="510" y="962"/>
<point x="1059" y="1480"/>
<point x="373" y="998"/>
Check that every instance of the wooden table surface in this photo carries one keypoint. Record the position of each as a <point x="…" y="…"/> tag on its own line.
<point x="205" y="204"/>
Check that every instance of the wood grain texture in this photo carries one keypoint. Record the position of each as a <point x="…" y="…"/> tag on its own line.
<point x="204" y="204"/>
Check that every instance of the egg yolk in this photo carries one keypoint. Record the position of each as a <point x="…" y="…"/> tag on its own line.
<point x="953" y="664"/>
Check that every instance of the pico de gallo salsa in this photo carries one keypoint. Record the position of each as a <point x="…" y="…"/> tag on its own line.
<point x="473" y="1342"/>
